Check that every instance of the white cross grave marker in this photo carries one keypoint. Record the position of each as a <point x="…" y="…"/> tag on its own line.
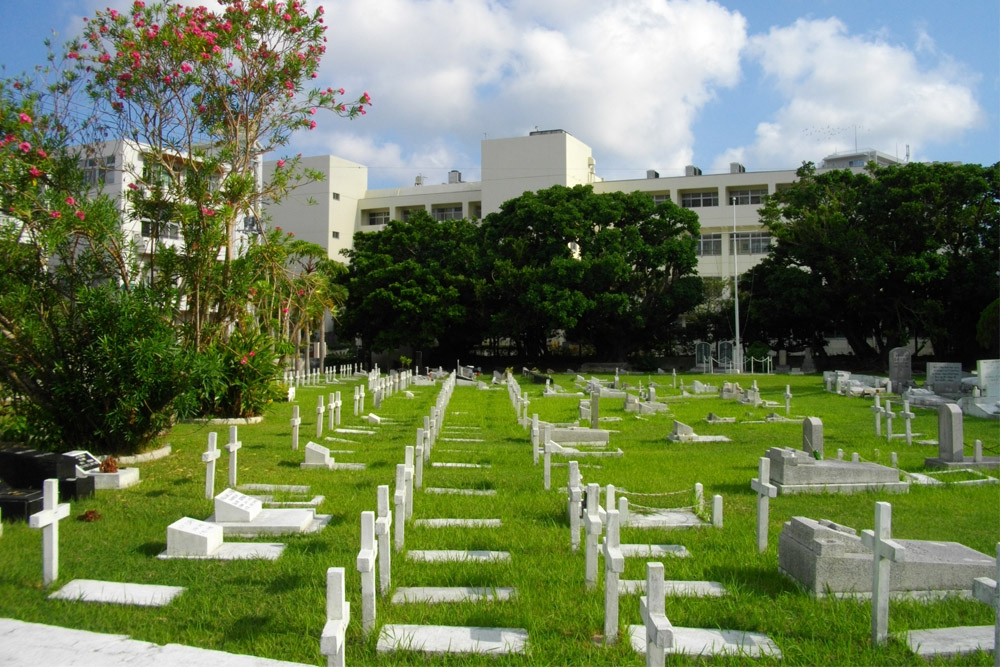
<point x="765" y="491"/>
<point x="878" y="412"/>
<point x="320" y="409"/>
<point x="366" y="567"/>
<point x="233" y="447"/>
<point x="788" y="400"/>
<point x="337" y="404"/>
<point x="357" y="398"/>
<point x="889" y="416"/>
<point x="575" y="504"/>
<point x="331" y="406"/>
<point x="338" y="615"/>
<point x="614" y="566"/>
<point x="408" y="457"/>
<point x="592" y="524"/>
<point x="209" y="457"/>
<point x="885" y="551"/>
<point x="399" y="500"/>
<point x="382" y="526"/>
<point x="659" y="631"/>
<point x="48" y="521"/>
<point x="295" y="421"/>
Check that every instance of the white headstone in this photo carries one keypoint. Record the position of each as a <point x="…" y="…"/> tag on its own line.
<point x="190" y="537"/>
<point x="48" y="521"/>
<point x="950" y="433"/>
<point x="233" y="506"/>
<point x="988" y="371"/>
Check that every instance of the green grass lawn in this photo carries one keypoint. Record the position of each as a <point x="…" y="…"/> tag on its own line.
<point x="276" y="609"/>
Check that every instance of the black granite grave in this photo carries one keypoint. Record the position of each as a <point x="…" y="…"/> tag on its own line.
<point x="27" y="469"/>
<point x="19" y="504"/>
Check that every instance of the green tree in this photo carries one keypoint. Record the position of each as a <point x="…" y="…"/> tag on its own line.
<point x="785" y="306"/>
<point x="900" y="252"/>
<point x="91" y="365"/>
<point x="413" y="286"/>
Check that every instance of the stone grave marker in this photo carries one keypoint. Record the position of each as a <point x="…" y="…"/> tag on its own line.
<point x="338" y="616"/>
<point x="408" y="459"/>
<point x="900" y="369"/>
<point x="765" y="490"/>
<point x="575" y="504"/>
<point x="907" y="416"/>
<point x="788" y="400"/>
<point x="614" y="566"/>
<point x="944" y="377"/>
<point x="878" y="411"/>
<point x="986" y="591"/>
<point x="232" y="447"/>
<point x="209" y="457"/>
<point x="320" y="411"/>
<point x="885" y="551"/>
<point x="357" y="399"/>
<point x="331" y="422"/>
<point x="399" y="501"/>
<point x="47" y="520"/>
<point x="383" y="524"/>
<point x="889" y="416"/>
<point x="988" y="371"/>
<point x="592" y="524"/>
<point x="233" y="506"/>
<point x="659" y="632"/>
<point x="812" y="436"/>
<point x="190" y="537"/>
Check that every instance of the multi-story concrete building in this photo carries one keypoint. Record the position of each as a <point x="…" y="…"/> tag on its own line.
<point x="726" y="203"/>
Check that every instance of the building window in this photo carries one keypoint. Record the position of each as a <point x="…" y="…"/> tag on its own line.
<point x="154" y="174"/>
<point x="750" y="243"/>
<point x="709" y="245"/>
<point x="378" y="217"/>
<point x="335" y="195"/>
<point x="447" y="212"/>
<point x="98" y="170"/>
<point x="335" y="235"/>
<point x="661" y="197"/>
<point x="746" y="197"/>
<point x="700" y="199"/>
<point x="475" y="211"/>
<point x="250" y="225"/>
<point x="164" y="230"/>
<point x="407" y="212"/>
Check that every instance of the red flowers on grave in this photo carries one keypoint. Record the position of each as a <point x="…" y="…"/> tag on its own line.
<point x="80" y="214"/>
<point x="24" y="118"/>
<point x="70" y="201"/>
<point x="35" y="171"/>
<point x="24" y="146"/>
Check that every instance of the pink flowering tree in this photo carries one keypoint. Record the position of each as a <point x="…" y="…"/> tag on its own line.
<point x="205" y="95"/>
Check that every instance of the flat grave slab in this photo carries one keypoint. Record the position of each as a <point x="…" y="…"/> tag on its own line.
<point x="459" y="465"/>
<point x="235" y="551"/>
<point x="450" y="555"/>
<point x="951" y="642"/>
<point x="113" y="592"/>
<point x="452" y="639"/>
<point x="654" y="550"/>
<point x="275" y="522"/>
<point x="287" y="488"/>
<point x="702" y="641"/>
<point x="675" y="588"/>
<point x="459" y="523"/>
<point x="33" y="644"/>
<point x="461" y="440"/>
<point x="461" y="492"/>
<point x="451" y="594"/>
<point x="795" y="471"/>
<point x="354" y="431"/>
<point x="664" y="519"/>
<point x="315" y="501"/>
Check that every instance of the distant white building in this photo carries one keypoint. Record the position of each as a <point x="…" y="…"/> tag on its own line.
<point x="726" y="204"/>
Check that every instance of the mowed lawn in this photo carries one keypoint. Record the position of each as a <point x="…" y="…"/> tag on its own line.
<point x="276" y="609"/>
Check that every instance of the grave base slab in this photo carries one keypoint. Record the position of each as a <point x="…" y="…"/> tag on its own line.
<point x="236" y="551"/>
<point x="275" y="522"/>
<point x="950" y="642"/>
<point x="674" y="588"/>
<point x="847" y="489"/>
<point x="460" y="465"/>
<point x="461" y="492"/>
<point x="452" y="594"/>
<point x="124" y="478"/>
<point x="452" y="639"/>
<point x="987" y="462"/>
<point x="459" y="523"/>
<point x="702" y="641"/>
<point x="664" y="519"/>
<point x="654" y="550"/>
<point x="113" y="592"/>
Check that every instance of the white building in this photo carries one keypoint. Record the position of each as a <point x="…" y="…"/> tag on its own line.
<point x="726" y="203"/>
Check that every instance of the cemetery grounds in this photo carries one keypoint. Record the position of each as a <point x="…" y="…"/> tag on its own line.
<point x="276" y="609"/>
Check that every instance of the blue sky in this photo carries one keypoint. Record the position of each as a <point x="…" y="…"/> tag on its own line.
<point x="648" y="84"/>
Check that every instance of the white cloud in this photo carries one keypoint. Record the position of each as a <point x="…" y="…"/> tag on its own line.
<point x="836" y="85"/>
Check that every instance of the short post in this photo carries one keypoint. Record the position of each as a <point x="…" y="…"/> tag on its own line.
<point x="652" y="608"/>
<point x="595" y="408"/>
<point x="592" y="525"/>
<point x="366" y="567"/>
<point x="547" y="465"/>
<point x="699" y="497"/>
<point x="338" y="615"/>
<point x="382" y="525"/>
<point x="399" y="502"/>
<point x="233" y="447"/>
<point x="717" y="511"/>
<point x="614" y="566"/>
<point x="209" y="457"/>
<point x="884" y="551"/>
<point x="295" y="421"/>
<point x="984" y="589"/>
<point x="48" y="521"/>
<point x="765" y="491"/>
